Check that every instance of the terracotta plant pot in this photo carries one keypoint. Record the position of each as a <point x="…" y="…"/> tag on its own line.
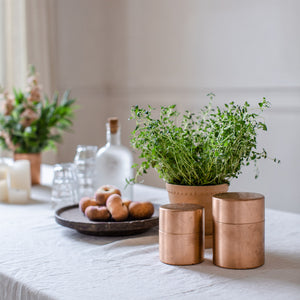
<point x="198" y="195"/>
<point x="35" y="164"/>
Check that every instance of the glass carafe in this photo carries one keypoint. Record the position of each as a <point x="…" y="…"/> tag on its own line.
<point x="114" y="161"/>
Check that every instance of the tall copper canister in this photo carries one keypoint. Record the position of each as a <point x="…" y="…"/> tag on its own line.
<point x="239" y="230"/>
<point x="181" y="234"/>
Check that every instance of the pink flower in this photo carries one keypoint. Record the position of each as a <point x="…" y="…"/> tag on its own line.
<point x="32" y="80"/>
<point x="8" y="103"/>
<point x="8" y="141"/>
<point x="33" y="89"/>
<point x="8" y="107"/>
<point x="35" y="94"/>
<point x="28" y="116"/>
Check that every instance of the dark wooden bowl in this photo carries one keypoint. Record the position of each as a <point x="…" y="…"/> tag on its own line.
<point x="70" y="216"/>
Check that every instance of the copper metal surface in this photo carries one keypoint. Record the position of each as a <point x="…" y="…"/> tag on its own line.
<point x="238" y="208"/>
<point x="238" y="220"/>
<point x="238" y="246"/>
<point x="35" y="164"/>
<point x="181" y="234"/>
<point x="181" y="249"/>
<point x="181" y="218"/>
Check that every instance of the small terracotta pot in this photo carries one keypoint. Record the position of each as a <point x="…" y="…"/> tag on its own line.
<point x="35" y="164"/>
<point x="198" y="195"/>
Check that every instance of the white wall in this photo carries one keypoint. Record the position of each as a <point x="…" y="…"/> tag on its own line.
<point x="118" y="53"/>
<point x="82" y="65"/>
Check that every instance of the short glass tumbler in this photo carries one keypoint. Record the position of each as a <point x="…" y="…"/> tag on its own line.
<point x="85" y="160"/>
<point x="64" y="185"/>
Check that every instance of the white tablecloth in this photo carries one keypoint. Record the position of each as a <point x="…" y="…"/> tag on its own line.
<point x="40" y="259"/>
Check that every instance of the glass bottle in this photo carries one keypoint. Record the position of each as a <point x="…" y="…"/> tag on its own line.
<point x="114" y="161"/>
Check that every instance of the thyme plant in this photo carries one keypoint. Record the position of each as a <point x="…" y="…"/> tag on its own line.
<point x="206" y="148"/>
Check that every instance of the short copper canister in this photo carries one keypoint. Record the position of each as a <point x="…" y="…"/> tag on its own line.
<point x="239" y="230"/>
<point x="181" y="234"/>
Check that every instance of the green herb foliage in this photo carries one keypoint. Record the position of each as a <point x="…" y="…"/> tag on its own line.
<point x="207" y="148"/>
<point x="30" y="124"/>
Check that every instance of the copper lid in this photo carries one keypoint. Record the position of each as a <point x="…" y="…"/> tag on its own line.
<point x="238" y="208"/>
<point x="181" y="218"/>
<point x="113" y="124"/>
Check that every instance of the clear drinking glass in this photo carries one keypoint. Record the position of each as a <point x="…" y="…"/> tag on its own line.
<point x="85" y="160"/>
<point x="64" y="185"/>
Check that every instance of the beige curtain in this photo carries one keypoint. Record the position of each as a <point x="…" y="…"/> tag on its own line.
<point x="40" y="36"/>
<point x="27" y="29"/>
<point x="27" y="35"/>
<point x="2" y="45"/>
<point x="14" y="53"/>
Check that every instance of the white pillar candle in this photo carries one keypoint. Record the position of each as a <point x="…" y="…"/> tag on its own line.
<point x="17" y="196"/>
<point x="3" y="190"/>
<point x="3" y="172"/>
<point x="20" y="176"/>
<point x="3" y="183"/>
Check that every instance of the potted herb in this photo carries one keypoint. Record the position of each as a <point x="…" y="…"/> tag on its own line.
<point x="30" y="124"/>
<point x="197" y="154"/>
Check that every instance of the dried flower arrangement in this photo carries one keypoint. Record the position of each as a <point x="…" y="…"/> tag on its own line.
<point x="31" y="124"/>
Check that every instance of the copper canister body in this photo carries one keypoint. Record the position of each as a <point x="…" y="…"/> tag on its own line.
<point x="239" y="230"/>
<point x="181" y="234"/>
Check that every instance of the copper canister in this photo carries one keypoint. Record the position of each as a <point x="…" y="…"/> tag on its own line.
<point x="181" y="234"/>
<point x="239" y="230"/>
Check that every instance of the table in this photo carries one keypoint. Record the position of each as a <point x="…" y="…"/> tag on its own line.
<point x="40" y="259"/>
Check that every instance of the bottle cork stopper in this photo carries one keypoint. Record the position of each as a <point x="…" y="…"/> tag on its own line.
<point x="113" y="124"/>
